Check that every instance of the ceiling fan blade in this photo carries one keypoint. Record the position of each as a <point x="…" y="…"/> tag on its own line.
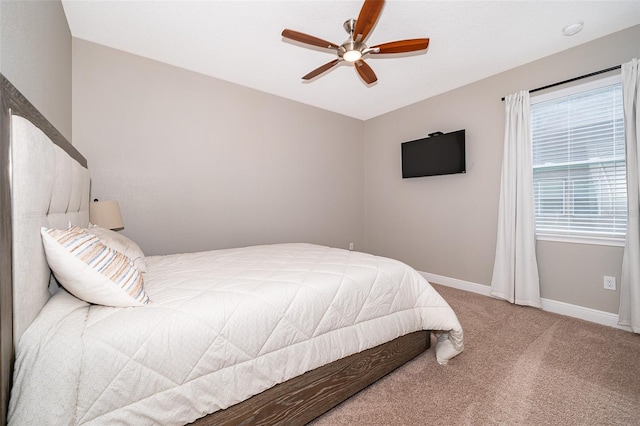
<point x="321" y="69"/>
<point x="367" y="18"/>
<point x="365" y="72"/>
<point x="307" y="39"/>
<point x="402" y="46"/>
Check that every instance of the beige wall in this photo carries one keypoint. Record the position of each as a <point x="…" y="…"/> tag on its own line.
<point x="35" y="55"/>
<point x="198" y="163"/>
<point x="446" y="225"/>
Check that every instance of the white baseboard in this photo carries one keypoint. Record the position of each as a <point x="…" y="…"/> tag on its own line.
<point x="562" y="308"/>
<point x="456" y="283"/>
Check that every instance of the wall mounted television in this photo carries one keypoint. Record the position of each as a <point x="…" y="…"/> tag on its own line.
<point x="438" y="154"/>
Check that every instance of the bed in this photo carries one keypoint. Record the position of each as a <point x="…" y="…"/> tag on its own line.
<point x="265" y="334"/>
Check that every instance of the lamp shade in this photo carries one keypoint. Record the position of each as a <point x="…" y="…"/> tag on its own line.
<point x="106" y="214"/>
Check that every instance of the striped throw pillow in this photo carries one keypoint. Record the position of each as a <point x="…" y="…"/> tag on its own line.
<point x="91" y="270"/>
<point x="120" y="243"/>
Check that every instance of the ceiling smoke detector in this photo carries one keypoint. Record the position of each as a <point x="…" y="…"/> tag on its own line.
<point x="573" y="29"/>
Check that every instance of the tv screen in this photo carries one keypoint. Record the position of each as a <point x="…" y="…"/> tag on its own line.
<point x="438" y="154"/>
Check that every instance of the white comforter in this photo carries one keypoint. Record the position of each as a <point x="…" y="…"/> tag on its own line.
<point x="222" y="326"/>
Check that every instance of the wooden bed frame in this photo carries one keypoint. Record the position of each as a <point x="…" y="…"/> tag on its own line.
<point x="296" y="401"/>
<point x="303" y="398"/>
<point x="6" y="294"/>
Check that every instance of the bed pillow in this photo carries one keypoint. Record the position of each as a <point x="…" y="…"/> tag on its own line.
<point x="91" y="270"/>
<point x="120" y="243"/>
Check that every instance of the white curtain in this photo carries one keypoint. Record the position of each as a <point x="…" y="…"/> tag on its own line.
<point x="630" y="279"/>
<point x="515" y="270"/>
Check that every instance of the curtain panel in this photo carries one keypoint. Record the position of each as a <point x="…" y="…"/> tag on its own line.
<point x="629" y="314"/>
<point x="515" y="271"/>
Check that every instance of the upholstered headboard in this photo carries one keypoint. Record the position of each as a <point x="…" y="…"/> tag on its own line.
<point x="51" y="189"/>
<point x="43" y="182"/>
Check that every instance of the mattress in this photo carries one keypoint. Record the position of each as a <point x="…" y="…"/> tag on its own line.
<point x="221" y="326"/>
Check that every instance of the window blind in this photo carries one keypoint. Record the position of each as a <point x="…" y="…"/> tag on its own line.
<point x="579" y="172"/>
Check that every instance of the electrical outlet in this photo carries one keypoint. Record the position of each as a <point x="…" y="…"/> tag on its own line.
<point x="609" y="283"/>
<point x="350" y="246"/>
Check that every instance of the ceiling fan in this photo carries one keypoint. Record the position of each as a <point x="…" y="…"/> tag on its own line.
<point x="354" y="48"/>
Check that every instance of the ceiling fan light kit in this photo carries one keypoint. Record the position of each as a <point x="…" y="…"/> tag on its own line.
<point x="354" y="49"/>
<point x="351" y="55"/>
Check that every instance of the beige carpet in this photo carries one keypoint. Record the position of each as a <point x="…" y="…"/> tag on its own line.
<point x="521" y="366"/>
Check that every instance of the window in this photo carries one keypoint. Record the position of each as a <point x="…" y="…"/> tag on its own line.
<point x="579" y="173"/>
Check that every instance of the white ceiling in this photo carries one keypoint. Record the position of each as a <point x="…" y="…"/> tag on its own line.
<point x="240" y="42"/>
